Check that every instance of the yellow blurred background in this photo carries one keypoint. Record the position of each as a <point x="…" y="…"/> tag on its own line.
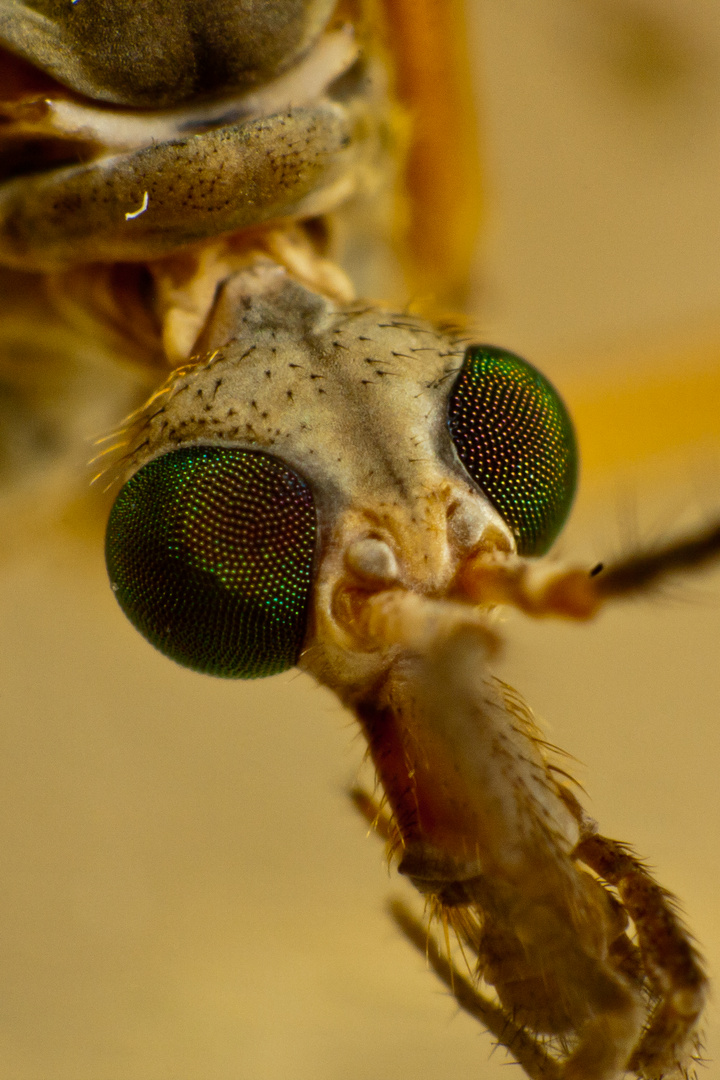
<point x="185" y="892"/>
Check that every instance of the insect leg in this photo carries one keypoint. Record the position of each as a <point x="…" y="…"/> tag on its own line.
<point x="670" y="959"/>
<point x="376" y="816"/>
<point x="527" y="1051"/>
<point x="517" y="1040"/>
<point x="488" y="833"/>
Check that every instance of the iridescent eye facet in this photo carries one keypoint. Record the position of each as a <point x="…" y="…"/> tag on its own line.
<point x="514" y="436"/>
<point x="210" y="554"/>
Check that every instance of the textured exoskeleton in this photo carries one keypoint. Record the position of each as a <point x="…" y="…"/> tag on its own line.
<point x="325" y="482"/>
<point x="409" y="559"/>
<point x="155" y="54"/>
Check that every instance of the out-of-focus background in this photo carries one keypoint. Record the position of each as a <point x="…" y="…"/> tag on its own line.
<point x="185" y="893"/>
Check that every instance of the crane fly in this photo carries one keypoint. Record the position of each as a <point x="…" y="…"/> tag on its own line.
<point x="309" y="478"/>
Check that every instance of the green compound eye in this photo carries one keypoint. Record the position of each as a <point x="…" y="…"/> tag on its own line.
<point x="514" y="436"/>
<point x="210" y="555"/>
